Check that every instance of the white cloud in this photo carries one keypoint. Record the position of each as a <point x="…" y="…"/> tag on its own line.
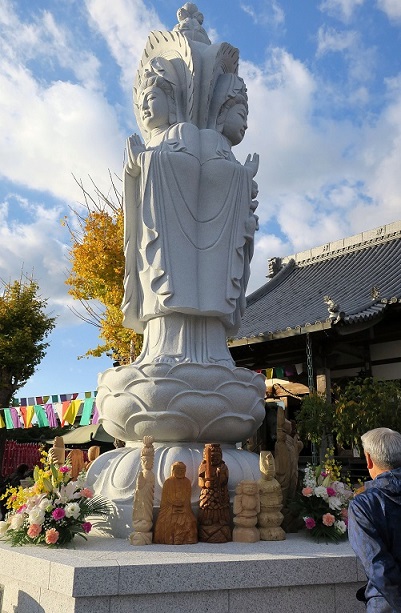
<point x="268" y="12"/>
<point x="125" y="25"/>
<point x="51" y="129"/>
<point x="44" y="40"/>
<point x="59" y="130"/>
<point x="392" y="8"/>
<point x="330" y="40"/>
<point x="36" y="246"/>
<point x="361" y="60"/>
<point x="341" y="9"/>
<point x="320" y="178"/>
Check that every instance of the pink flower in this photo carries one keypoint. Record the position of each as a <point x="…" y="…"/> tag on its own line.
<point x="323" y="473"/>
<point x="309" y="522"/>
<point x="307" y="491"/>
<point x="87" y="527"/>
<point x="344" y="513"/>
<point x="331" y="491"/>
<point x="86" y="493"/>
<point x="58" y="513"/>
<point x="21" y="508"/>
<point x="328" y="519"/>
<point x="51" y="536"/>
<point x="65" y="469"/>
<point x="34" y="530"/>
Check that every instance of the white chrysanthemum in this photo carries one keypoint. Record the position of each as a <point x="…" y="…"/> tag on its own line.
<point x="334" y="503"/>
<point x="4" y="525"/>
<point x="36" y="516"/>
<point x="72" y="510"/>
<point x="321" y="492"/>
<point x="341" y="526"/>
<point x="17" y="521"/>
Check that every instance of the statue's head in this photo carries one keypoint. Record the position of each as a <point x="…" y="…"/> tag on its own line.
<point x="158" y="96"/>
<point x="93" y="452"/>
<point x="215" y="453"/>
<point x="58" y="441"/>
<point x="266" y="463"/>
<point x="178" y="470"/>
<point x="190" y="22"/>
<point x="249" y="487"/>
<point x="229" y="108"/>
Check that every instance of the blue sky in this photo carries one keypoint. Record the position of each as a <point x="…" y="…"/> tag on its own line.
<point x="324" y="85"/>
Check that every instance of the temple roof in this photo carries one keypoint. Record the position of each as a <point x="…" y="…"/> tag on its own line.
<point x="350" y="281"/>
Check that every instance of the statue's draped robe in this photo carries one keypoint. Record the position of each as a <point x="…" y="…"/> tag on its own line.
<point x="176" y="523"/>
<point x="188" y="229"/>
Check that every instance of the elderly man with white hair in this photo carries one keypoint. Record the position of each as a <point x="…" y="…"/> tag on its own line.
<point x="375" y="522"/>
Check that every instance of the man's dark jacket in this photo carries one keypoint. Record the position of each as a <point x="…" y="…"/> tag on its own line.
<point x="375" y="535"/>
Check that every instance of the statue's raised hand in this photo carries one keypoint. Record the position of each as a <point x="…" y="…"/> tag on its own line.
<point x="252" y="163"/>
<point x="134" y="147"/>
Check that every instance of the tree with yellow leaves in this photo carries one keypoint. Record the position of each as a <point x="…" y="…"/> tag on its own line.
<point x="97" y="273"/>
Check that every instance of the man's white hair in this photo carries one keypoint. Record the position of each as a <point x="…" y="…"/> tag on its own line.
<point x="384" y="447"/>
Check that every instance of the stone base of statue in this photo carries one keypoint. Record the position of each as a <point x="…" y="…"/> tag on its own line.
<point x="114" y="475"/>
<point x="184" y="401"/>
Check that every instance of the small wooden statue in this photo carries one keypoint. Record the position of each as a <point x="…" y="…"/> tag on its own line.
<point x="56" y="453"/>
<point x="246" y="509"/>
<point x="271" y="499"/>
<point x="76" y="460"/>
<point x="93" y="453"/>
<point x="142" y="514"/>
<point x="176" y="523"/>
<point x="214" y="503"/>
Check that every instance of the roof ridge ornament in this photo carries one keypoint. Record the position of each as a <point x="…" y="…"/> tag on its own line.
<point x="335" y="315"/>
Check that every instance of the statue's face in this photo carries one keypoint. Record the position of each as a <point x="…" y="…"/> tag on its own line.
<point x="249" y="488"/>
<point x="215" y="457"/>
<point x="235" y="124"/>
<point x="179" y="471"/>
<point x="154" y="109"/>
<point x="265" y="458"/>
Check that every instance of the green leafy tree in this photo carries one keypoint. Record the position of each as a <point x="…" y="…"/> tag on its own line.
<point x="315" y="418"/>
<point x="363" y="404"/>
<point x="24" y="326"/>
<point x="97" y="273"/>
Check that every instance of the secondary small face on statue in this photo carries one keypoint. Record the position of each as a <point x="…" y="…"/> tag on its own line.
<point x="235" y="123"/>
<point x="154" y="109"/>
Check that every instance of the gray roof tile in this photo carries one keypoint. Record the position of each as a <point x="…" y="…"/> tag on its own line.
<point x="293" y="298"/>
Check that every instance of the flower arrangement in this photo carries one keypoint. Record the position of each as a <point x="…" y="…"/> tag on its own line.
<point x="323" y="501"/>
<point x="53" y="510"/>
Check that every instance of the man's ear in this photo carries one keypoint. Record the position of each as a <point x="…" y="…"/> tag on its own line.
<point x="369" y="462"/>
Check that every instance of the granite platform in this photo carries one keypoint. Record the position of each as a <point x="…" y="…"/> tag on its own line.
<point x="107" y="575"/>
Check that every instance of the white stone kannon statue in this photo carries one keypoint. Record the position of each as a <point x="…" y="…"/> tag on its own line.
<point x="189" y="224"/>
